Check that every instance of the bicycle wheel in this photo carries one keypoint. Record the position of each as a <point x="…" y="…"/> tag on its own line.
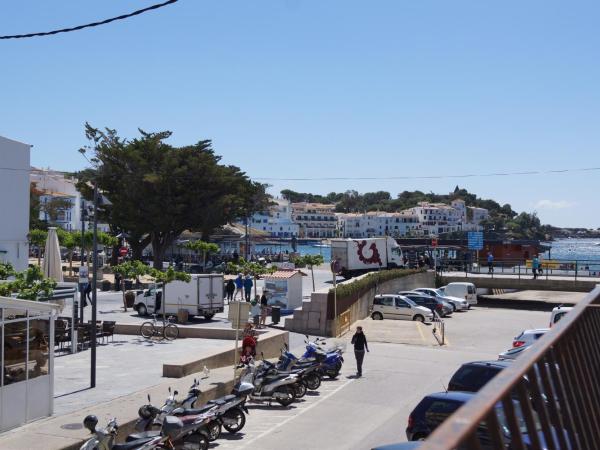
<point x="171" y="332"/>
<point x="147" y="330"/>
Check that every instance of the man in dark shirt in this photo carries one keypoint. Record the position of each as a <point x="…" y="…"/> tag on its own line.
<point x="359" y="340"/>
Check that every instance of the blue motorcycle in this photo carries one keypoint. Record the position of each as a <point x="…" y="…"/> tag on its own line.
<point x="329" y="362"/>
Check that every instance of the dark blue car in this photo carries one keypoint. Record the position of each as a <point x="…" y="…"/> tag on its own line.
<point x="435" y="408"/>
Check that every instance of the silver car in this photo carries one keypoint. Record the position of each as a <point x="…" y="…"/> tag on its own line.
<point x="458" y="304"/>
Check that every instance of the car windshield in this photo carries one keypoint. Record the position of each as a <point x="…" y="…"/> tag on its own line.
<point x="409" y="301"/>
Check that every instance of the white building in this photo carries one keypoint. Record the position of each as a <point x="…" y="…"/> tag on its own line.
<point x="437" y="218"/>
<point x="54" y="185"/>
<point x="14" y="202"/>
<point x="377" y="223"/>
<point x="277" y="221"/>
<point x="316" y="220"/>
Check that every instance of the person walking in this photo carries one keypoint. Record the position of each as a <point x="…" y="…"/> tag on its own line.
<point x="264" y="309"/>
<point x="535" y="265"/>
<point x="359" y="340"/>
<point x="229" y="290"/>
<point x="239" y="287"/>
<point x="490" y="261"/>
<point x="248" y="287"/>
<point x="88" y="291"/>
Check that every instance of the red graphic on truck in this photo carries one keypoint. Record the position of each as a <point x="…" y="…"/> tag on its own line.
<point x="375" y="258"/>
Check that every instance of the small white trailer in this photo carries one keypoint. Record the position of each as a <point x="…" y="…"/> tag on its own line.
<point x="356" y="256"/>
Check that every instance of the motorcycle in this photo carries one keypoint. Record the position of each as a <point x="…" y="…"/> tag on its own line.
<point x="228" y="410"/>
<point x="104" y="438"/>
<point x="266" y="384"/>
<point x="330" y="361"/>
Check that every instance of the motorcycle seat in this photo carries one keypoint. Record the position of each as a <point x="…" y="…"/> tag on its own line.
<point x="132" y="445"/>
<point x="196" y="411"/>
<point x="144" y="435"/>
<point x="222" y="400"/>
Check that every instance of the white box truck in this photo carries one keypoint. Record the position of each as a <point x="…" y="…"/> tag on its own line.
<point x="356" y="256"/>
<point x="202" y="296"/>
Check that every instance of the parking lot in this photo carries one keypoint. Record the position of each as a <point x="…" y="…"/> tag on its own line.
<point x="373" y="410"/>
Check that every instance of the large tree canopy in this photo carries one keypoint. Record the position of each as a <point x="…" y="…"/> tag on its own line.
<point x="156" y="191"/>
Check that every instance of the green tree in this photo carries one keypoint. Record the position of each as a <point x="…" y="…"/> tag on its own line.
<point x="37" y="238"/>
<point x="29" y="285"/>
<point x="34" y="208"/>
<point x="203" y="248"/>
<point x="157" y="191"/>
<point x="130" y="270"/>
<point x="69" y="240"/>
<point x="6" y="270"/>
<point x="310" y="261"/>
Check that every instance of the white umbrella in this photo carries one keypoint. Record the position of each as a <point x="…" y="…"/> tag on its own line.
<point x="52" y="266"/>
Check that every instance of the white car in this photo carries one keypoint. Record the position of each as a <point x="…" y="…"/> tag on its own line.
<point x="390" y="306"/>
<point x="528" y="337"/>
<point x="513" y="353"/>
<point x="458" y="304"/>
<point x="466" y="291"/>
<point x="558" y="313"/>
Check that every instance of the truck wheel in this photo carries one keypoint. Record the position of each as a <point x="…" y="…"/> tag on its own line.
<point x="142" y="310"/>
<point x="377" y="316"/>
<point x="209" y="316"/>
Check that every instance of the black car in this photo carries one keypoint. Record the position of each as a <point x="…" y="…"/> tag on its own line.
<point x="435" y="408"/>
<point x="472" y="376"/>
<point x="431" y="303"/>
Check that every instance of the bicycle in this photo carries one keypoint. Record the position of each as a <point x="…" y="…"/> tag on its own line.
<point x="152" y="328"/>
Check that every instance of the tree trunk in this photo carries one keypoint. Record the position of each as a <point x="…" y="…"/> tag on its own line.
<point x="71" y="263"/>
<point x="114" y="257"/>
<point x="313" y="277"/>
<point x="160" y="243"/>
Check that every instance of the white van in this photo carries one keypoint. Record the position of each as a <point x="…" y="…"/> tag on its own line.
<point x="390" y="306"/>
<point x="468" y="291"/>
<point x="558" y="313"/>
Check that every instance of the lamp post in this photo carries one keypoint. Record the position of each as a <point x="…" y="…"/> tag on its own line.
<point x="81" y="285"/>
<point x="94" y="282"/>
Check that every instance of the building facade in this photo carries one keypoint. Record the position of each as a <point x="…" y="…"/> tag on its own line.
<point x="315" y="220"/>
<point x="277" y="221"/>
<point x="378" y="224"/>
<point x="54" y="186"/>
<point x="14" y="202"/>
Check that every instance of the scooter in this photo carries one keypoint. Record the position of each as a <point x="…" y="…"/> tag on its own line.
<point x="330" y="361"/>
<point x="267" y="383"/>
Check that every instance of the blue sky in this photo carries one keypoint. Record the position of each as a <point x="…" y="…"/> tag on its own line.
<point x="296" y="89"/>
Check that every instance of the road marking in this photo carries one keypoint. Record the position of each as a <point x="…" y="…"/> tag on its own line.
<point x="299" y="413"/>
<point x="420" y="331"/>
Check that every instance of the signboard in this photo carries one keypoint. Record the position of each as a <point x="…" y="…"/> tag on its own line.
<point x="434" y="242"/>
<point x="336" y="266"/>
<point x="83" y="274"/>
<point x="123" y="251"/>
<point x="475" y="240"/>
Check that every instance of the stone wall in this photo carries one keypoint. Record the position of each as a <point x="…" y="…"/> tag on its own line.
<point x="311" y="318"/>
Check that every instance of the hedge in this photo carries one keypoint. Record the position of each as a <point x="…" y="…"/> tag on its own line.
<point x="349" y="293"/>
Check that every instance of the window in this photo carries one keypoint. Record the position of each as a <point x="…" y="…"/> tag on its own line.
<point x="400" y="303"/>
<point x="385" y="301"/>
<point x="15" y="352"/>
<point x="39" y="331"/>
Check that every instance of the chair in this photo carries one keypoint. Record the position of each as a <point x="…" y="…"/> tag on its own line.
<point x="108" y="330"/>
<point x="98" y="330"/>
<point x="60" y="333"/>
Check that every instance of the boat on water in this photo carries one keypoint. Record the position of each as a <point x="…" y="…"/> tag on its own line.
<point x="321" y="245"/>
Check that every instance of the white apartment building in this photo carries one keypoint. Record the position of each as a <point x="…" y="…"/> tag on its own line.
<point x="437" y="218"/>
<point x="315" y="220"/>
<point x="54" y="185"/>
<point x="377" y="223"/>
<point x="14" y="202"/>
<point x="277" y="221"/>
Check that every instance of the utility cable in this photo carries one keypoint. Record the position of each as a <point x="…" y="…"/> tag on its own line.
<point x="90" y="25"/>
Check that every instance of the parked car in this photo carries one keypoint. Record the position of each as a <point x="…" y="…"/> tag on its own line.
<point x="390" y="306"/>
<point x="472" y="376"/>
<point x="468" y="291"/>
<point x="528" y="337"/>
<point x="558" y="313"/>
<point x="458" y="304"/>
<point x="435" y="408"/>
<point x="513" y="353"/>
<point x="439" y="306"/>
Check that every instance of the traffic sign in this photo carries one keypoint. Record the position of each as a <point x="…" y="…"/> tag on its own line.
<point x="434" y="242"/>
<point x="123" y="251"/>
<point x="475" y="240"/>
<point x="83" y="275"/>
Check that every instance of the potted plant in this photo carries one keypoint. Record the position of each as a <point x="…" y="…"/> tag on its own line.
<point x="128" y="271"/>
<point x="106" y="285"/>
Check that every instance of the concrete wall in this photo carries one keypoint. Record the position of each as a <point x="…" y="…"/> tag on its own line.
<point x="14" y="202"/>
<point x="541" y="284"/>
<point x="312" y="317"/>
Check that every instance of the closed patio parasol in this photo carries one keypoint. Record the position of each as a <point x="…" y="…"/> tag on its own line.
<point x="52" y="266"/>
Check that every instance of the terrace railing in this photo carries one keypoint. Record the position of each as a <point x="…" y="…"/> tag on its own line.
<point x="548" y="398"/>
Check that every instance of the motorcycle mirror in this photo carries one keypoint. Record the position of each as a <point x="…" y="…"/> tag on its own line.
<point x="169" y="389"/>
<point x="175" y="392"/>
<point x="285" y="345"/>
<point x="149" y="399"/>
<point x="262" y="355"/>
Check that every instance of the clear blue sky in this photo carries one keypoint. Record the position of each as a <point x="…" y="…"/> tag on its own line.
<point x="289" y="88"/>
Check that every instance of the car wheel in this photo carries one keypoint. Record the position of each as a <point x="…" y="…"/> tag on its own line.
<point x="377" y="316"/>
<point x="453" y="308"/>
<point x="142" y="310"/>
<point x="419" y="318"/>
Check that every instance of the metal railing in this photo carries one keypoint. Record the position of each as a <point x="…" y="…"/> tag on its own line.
<point x="548" y="398"/>
<point x="569" y="268"/>
<point x="439" y="329"/>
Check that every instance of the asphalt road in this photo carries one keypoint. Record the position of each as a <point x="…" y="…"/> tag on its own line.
<point x="362" y="413"/>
